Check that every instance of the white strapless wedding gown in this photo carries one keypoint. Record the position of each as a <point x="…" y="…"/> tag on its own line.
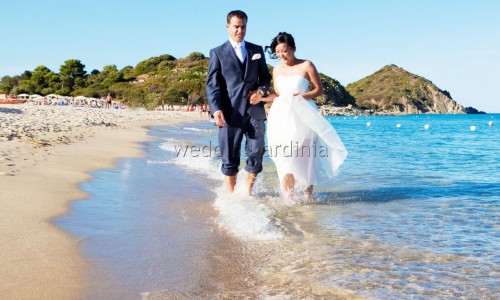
<point x="300" y="140"/>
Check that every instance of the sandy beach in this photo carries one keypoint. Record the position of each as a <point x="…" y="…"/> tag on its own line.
<point x="44" y="153"/>
<point x="379" y="221"/>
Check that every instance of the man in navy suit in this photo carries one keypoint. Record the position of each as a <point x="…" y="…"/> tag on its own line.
<point x="236" y="70"/>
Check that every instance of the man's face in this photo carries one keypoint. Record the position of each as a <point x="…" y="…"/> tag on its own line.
<point x="237" y="29"/>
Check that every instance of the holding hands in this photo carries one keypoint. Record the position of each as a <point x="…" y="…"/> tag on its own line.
<point x="259" y="95"/>
<point x="254" y="97"/>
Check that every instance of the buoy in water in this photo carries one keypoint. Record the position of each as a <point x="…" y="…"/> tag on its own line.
<point x="368" y="124"/>
<point x="398" y="125"/>
<point x="426" y="126"/>
<point x="473" y="128"/>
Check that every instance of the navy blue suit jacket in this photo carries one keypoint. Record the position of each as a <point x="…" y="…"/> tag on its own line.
<point x="228" y="82"/>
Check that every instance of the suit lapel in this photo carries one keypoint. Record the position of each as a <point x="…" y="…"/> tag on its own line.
<point x="249" y="58"/>
<point x="231" y="55"/>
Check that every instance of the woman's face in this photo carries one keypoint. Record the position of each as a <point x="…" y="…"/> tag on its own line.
<point x="285" y="53"/>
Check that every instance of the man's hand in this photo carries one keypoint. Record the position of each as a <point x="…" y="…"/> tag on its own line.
<point x="219" y="119"/>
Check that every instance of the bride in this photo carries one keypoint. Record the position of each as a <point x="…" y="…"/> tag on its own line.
<point x="302" y="144"/>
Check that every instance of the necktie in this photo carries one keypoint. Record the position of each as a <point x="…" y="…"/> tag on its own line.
<point x="239" y="52"/>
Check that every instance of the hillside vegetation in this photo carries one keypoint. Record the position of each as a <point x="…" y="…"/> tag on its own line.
<point x="152" y="82"/>
<point x="164" y="79"/>
<point x="395" y="90"/>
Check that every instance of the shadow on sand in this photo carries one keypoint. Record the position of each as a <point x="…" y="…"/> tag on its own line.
<point x="7" y="110"/>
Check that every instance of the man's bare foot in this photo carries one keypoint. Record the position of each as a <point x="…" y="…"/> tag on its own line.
<point x="230" y="183"/>
<point x="250" y="180"/>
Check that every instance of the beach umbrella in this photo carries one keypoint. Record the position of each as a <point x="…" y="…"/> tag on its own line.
<point x="23" y="96"/>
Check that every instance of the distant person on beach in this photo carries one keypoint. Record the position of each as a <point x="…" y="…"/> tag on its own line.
<point x="109" y="100"/>
<point x="301" y="142"/>
<point x="236" y="70"/>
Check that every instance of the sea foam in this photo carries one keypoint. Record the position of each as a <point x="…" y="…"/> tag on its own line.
<point x="243" y="216"/>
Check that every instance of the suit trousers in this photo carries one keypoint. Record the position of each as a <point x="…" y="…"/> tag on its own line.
<point x="230" y="139"/>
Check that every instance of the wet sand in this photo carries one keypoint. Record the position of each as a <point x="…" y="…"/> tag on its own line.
<point x="44" y="153"/>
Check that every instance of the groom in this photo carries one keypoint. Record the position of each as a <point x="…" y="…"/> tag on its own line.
<point x="236" y="70"/>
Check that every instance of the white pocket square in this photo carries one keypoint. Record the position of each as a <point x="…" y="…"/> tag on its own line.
<point x="256" y="56"/>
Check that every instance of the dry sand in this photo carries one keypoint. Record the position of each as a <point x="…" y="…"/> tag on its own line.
<point x="44" y="153"/>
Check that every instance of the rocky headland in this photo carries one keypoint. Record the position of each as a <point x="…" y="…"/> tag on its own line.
<point x="395" y="91"/>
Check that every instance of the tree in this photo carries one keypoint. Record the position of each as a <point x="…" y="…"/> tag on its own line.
<point x="195" y="56"/>
<point x="187" y="91"/>
<point x="119" y="89"/>
<point x="151" y="64"/>
<point x="54" y="82"/>
<point x="166" y="65"/>
<point x="174" y="95"/>
<point x="63" y="91"/>
<point x="135" y="97"/>
<point x="8" y="83"/>
<point x="110" y="75"/>
<point x="42" y="77"/>
<point x="70" y="71"/>
<point x="127" y="72"/>
<point x="38" y="76"/>
<point x="26" y="75"/>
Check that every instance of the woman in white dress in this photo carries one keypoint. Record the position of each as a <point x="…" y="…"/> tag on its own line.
<point x="303" y="145"/>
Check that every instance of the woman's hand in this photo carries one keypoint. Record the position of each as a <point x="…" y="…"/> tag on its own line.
<point x="254" y="97"/>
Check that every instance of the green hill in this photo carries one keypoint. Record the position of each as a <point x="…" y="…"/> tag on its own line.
<point x="152" y="82"/>
<point x="395" y="90"/>
<point x="335" y="93"/>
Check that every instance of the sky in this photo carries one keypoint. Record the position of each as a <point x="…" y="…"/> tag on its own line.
<point x="453" y="43"/>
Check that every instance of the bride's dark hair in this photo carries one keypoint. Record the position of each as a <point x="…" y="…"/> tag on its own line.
<point x="282" y="37"/>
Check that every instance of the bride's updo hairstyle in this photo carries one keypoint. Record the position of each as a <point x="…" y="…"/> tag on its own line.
<point x="282" y="37"/>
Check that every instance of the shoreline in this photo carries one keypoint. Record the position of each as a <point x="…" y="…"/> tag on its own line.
<point x="40" y="180"/>
<point x="355" y="111"/>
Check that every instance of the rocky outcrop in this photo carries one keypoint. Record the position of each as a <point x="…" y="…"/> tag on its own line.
<point x="473" y="111"/>
<point x="349" y="110"/>
<point x="393" y="90"/>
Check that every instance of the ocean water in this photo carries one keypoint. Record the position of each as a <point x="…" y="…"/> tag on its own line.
<point x="413" y="214"/>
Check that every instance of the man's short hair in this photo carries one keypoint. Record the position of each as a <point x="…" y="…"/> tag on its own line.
<point x="236" y="13"/>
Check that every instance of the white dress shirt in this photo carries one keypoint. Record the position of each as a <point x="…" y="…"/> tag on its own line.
<point x="241" y="55"/>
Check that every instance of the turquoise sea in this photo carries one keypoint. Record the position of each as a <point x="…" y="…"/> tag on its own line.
<point x="413" y="214"/>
